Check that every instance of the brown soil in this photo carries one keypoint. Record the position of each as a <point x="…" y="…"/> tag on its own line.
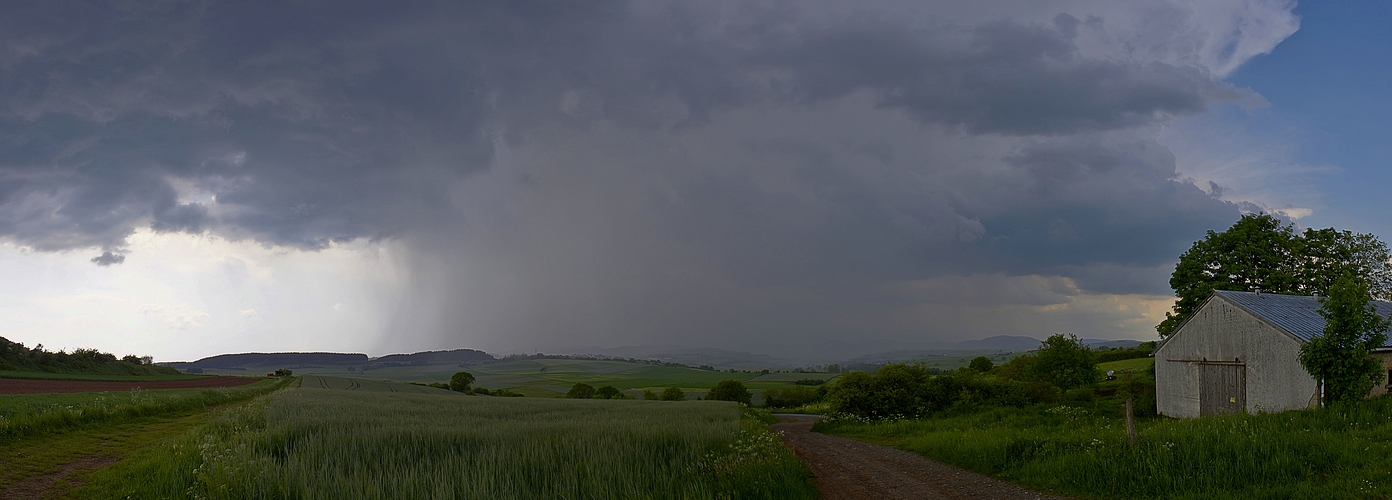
<point x="26" y="386"/>
<point x="848" y="469"/>
<point x="37" y="487"/>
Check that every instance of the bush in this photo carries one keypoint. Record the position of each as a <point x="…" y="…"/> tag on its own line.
<point x="649" y="395"/>
<point x="1018" y="368"/>
<point x="1040" y="391"/>
<point x="1065" y="362"/>
<point x="461" y="381"/>
<point x="1080" y="395"/>
<point x="791" y="397"/>
<point x="608" y="392"/>
<point x="581" y="391"/>
<point x="730" y="390"/>
<point x="981" y="364"/>
<point x="672" y="394"/>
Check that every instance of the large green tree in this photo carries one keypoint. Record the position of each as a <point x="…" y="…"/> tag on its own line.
<point x="1064" y="362"/>
<point x="1352" y="329"/>
<point x="1258" y="252"/>
<point x="461" y="381"/>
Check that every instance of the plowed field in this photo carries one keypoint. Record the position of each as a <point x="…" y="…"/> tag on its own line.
<point x="25" y="386"/>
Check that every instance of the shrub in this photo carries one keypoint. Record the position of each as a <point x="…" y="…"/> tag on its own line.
<point x="1018" y="368"/>
<point x="608" y="392"/>
<point x="581" y="390"/>
<point x="672" y="394"/>
<point x="649" y="395"/>
<point x="730" y="390"/>
<point x="981" y="364"/>
<point x="1080" y="395"/>
<point x="461" y="381"/>
<point x="1065" y="362"/>
<point x="791" y="397"/>
<point x="482" y="392"/>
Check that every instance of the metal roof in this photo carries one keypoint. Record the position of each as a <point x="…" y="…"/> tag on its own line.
<point x="1297" y="314"/>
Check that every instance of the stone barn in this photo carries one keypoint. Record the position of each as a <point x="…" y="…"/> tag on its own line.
<point x="1240" y="352"/>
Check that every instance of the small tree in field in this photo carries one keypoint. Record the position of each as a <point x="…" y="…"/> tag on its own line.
<point x="730" y="390"/>
<point x="581" y="391"/>
<point x="981" y="364"/>
<point x="649" y="395"/>
<point x="673" y="394"/>
<point x="608" y="392"/>
<point x="461" y="381"/>
<point x="1065" y="362"/>
<point x="1352" y="329"/>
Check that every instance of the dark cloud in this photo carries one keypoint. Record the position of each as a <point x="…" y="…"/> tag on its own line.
<point x="1003" y="77"/>
<point x="108" y="258"/>
<point x="622" y="166"/>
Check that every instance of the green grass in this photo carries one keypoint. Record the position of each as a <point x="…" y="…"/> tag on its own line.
<point x="346" y="444"/>
<point x="1136" y="364"/>
<point x="30" y="414"/>
<point x="1328" y="454"/>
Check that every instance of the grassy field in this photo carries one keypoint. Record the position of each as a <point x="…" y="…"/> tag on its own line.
<point x="1137" y="364"/>
<point x="1328" y="454"/>
<point x="30" y="414"/>
<point x="553" y="377"/>
<point x="381" y="441"/>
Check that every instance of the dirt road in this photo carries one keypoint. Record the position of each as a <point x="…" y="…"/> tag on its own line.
<point x="852" y="470"/>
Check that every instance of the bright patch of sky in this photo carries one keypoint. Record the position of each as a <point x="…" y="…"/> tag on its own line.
<point x="181" y="296"/>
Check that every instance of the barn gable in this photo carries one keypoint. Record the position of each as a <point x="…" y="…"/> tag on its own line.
<point x="1240" y="352"/>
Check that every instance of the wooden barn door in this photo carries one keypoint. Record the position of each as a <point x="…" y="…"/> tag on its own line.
<point x="1222" y="388"/>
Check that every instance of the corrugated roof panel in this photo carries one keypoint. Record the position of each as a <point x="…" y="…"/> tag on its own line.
<point x="1297" y="314"/>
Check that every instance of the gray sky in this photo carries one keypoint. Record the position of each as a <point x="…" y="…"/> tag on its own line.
<point x="185" y="179"/>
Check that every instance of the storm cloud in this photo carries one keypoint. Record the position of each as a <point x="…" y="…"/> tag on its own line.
<point x="646" y="172"/>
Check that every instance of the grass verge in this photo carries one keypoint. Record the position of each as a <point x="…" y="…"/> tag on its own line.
<point x="318" y="443"/>
<point x="23" y="415"/>
<point x="1338" y="452"/>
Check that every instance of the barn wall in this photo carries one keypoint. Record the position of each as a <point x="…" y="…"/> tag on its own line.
<point x="1223" y="331"/>
<point x="1386" y="358"/>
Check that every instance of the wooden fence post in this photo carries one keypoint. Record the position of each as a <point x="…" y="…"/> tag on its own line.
<point x="1130" y="421"/>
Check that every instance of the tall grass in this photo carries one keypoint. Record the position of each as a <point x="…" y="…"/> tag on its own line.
<point x="317" y="443"/>
<point x="23" y="415"/>
<point x="1340" y="452"/>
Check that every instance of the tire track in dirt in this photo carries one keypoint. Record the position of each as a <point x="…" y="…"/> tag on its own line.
<point x="846" y="469"/>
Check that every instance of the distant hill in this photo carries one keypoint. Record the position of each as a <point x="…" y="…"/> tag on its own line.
<point x="437" y="357"/>
<point x="263" y="361"/>
<point x="274" y="359"/>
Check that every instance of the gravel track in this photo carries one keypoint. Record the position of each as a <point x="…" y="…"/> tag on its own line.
<point x="853" y="470"/>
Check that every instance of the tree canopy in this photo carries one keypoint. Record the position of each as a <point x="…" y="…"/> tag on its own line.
<point x="1258" y="252"/>
<point x="672" y="394"/>
<point x="1352" y="329"/>
<point x="730" y="390"/>
<point x="461" y="381"/>
<point x="1064" y="362"/>
<point x="581" y="390"/>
